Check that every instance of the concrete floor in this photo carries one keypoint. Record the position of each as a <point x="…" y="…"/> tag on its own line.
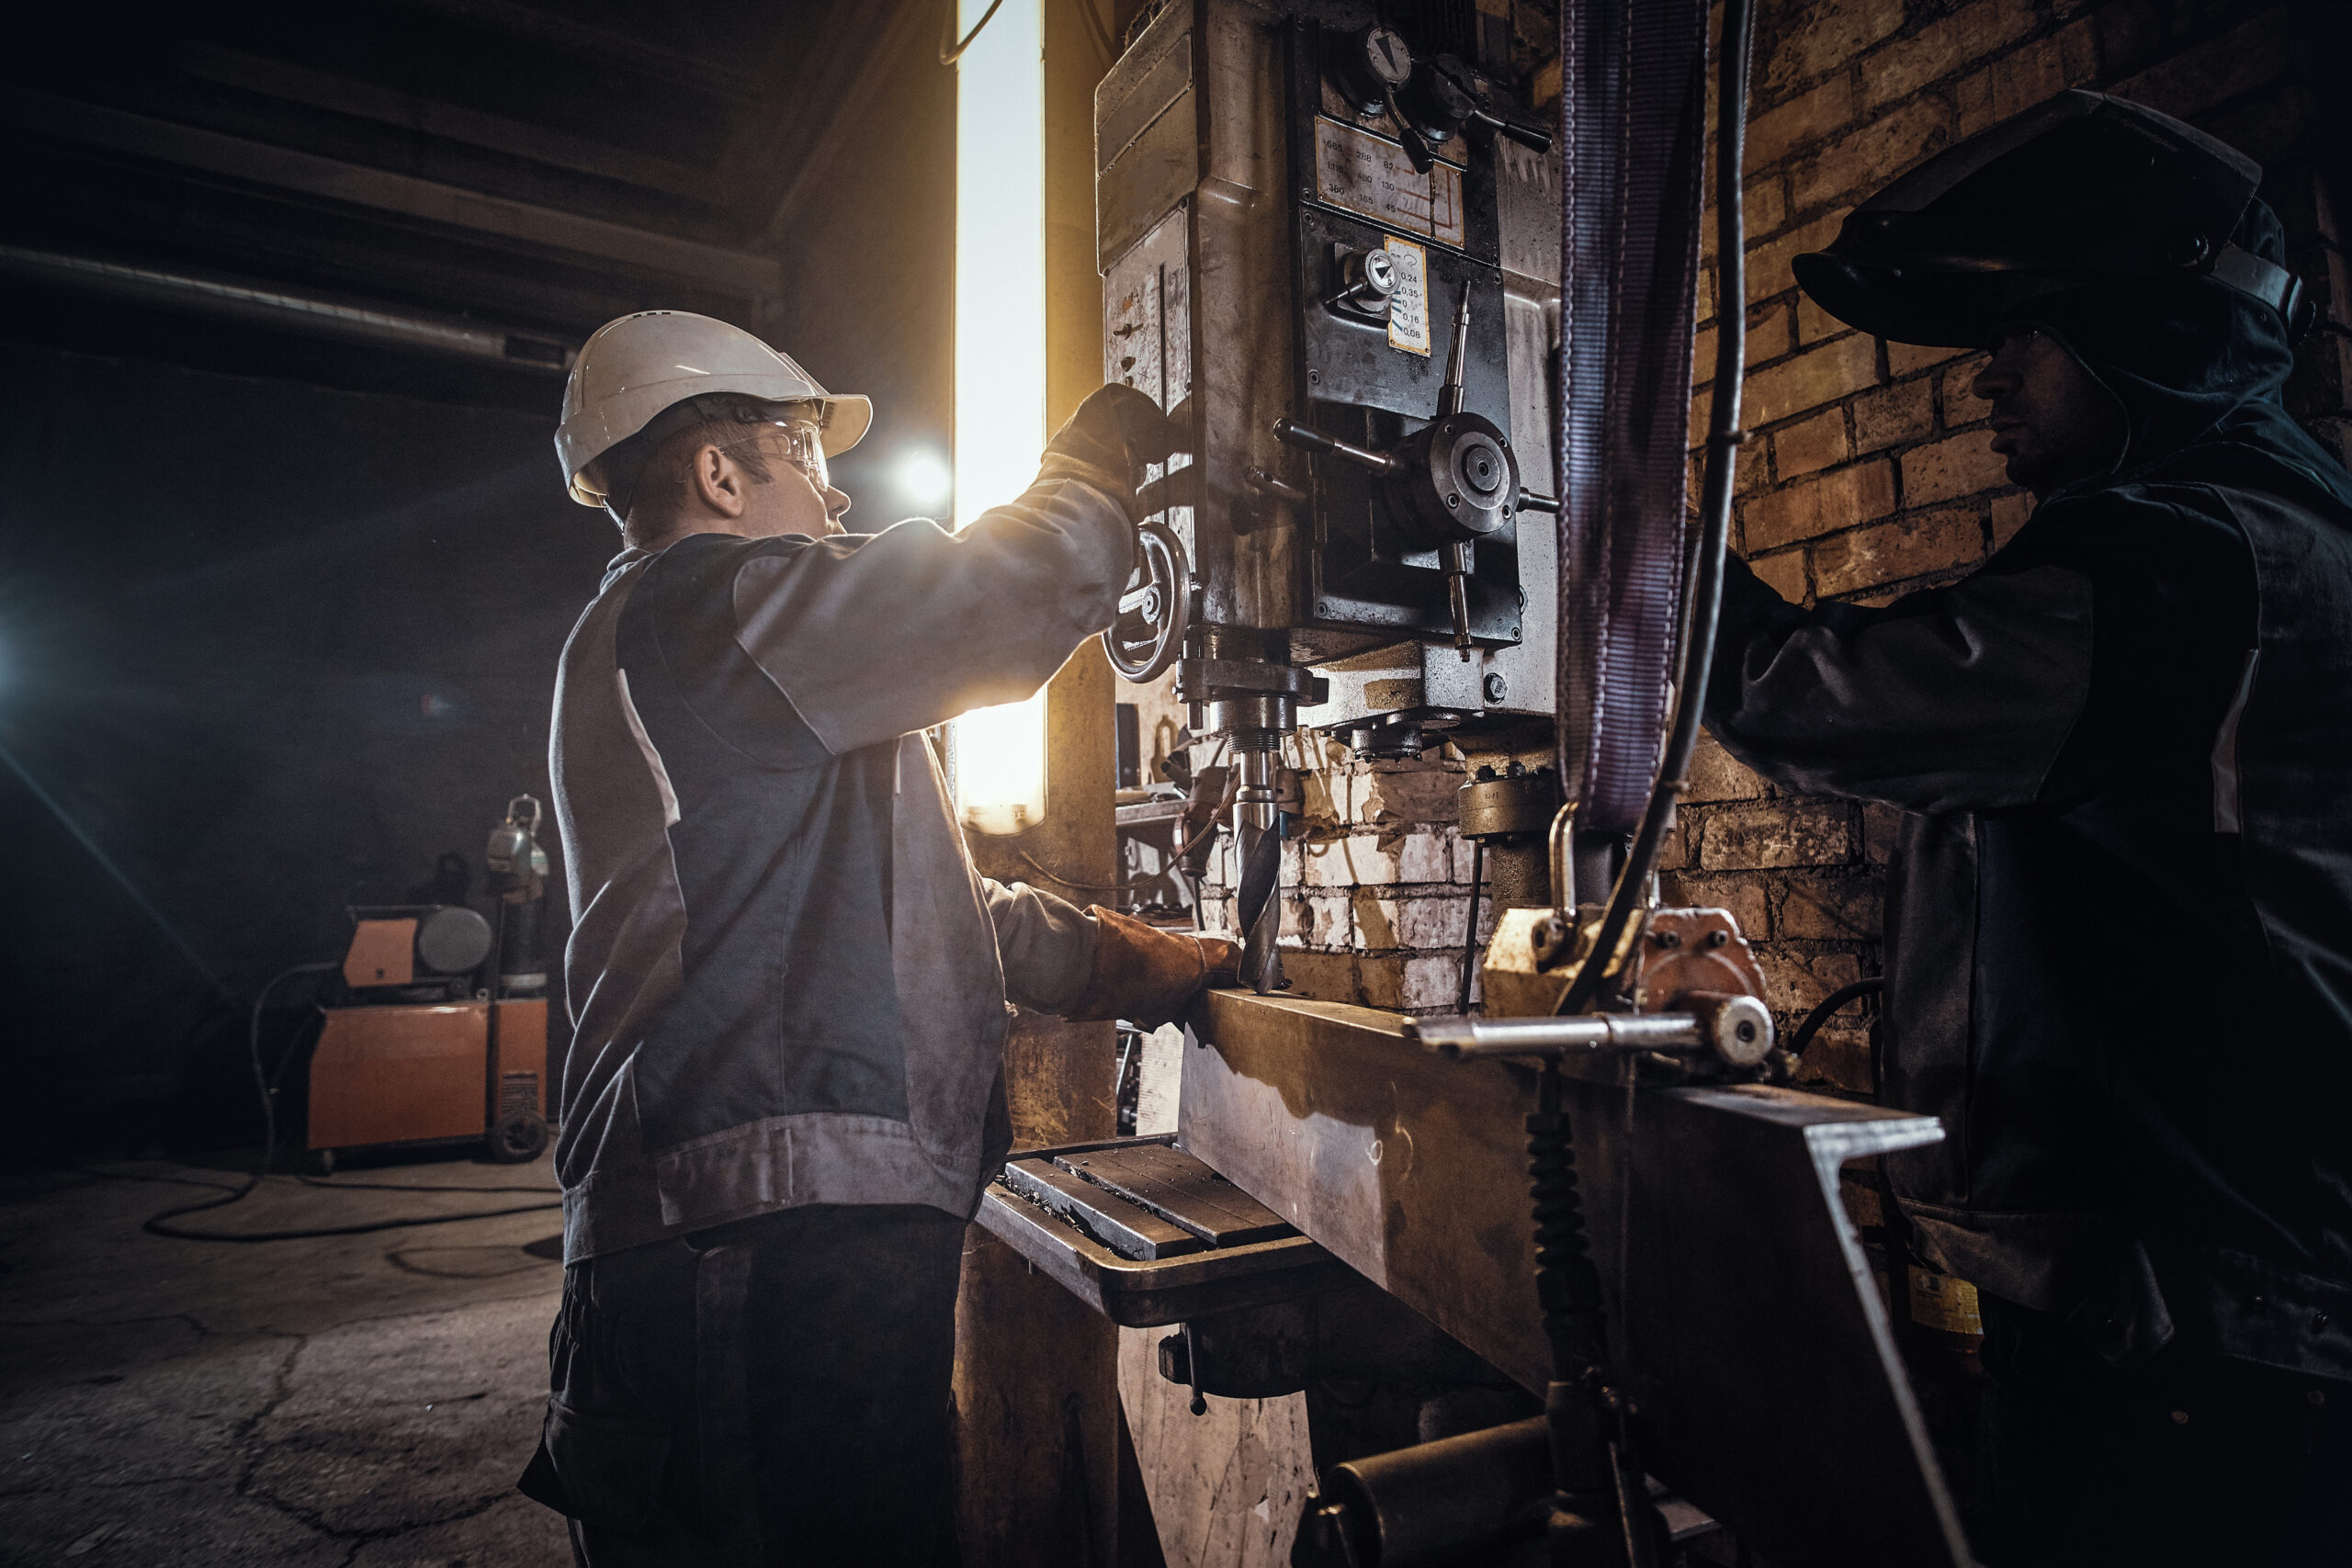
<point x="354" y="1402"/>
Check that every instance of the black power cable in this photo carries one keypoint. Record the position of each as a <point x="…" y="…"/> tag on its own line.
<point x="1829" y="1006"/>
<point x="267" y="1086"/>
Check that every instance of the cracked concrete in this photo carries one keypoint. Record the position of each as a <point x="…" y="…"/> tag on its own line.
<point x="347" y="1402"/>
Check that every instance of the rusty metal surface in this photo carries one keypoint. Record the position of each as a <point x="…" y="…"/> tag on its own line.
<point x="1124" y="1227"/>
<point x="1176" y="1186"/>
<point x="1742" y="1320"/>
<point x="1148" y="1294"/>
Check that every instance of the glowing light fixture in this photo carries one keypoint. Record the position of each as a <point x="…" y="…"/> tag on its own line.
<point x="1000" y="356"/>
<point x="924" y="478"/>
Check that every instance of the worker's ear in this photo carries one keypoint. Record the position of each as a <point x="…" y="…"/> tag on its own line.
<point x="719" y="482"/>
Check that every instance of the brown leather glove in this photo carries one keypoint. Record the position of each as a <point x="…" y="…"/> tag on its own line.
<point x="1148" y="976"/>
<point x="1107" y="442"/>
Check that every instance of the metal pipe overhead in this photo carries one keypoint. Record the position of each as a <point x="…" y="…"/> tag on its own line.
<point x="264" y="305"/>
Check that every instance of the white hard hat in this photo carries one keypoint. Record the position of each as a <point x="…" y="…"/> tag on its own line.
<point x="634" y="367"/>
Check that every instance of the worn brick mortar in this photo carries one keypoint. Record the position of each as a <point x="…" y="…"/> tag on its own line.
<point x="1873" y="473"/>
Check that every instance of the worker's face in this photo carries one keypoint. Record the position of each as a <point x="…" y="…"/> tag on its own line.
<point x="2052" y="419"/>
<point x="798" y="496"/>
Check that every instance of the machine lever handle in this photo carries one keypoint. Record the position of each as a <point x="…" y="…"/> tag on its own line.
<point x="1290" y="433"/>
<point x="1532" y="137"/>
<point x="1417" y="146"/>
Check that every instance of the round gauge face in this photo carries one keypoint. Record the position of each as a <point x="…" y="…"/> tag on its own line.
<point x="1380" y="272"/>
<point x="1387" y="56"/>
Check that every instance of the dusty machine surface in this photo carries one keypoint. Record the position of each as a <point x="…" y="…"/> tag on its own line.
<point x="1339" y="263"/>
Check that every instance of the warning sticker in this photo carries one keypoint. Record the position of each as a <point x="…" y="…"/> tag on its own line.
<point x="1938" y="1301"/>
<point x="1371" y="175"/>
<point x="1409" y="299"/>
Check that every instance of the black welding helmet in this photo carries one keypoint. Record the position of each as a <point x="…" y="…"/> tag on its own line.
<point x="2081" y="189"/>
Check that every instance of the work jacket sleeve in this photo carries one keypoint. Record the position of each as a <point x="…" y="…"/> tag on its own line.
<point x="1953" y="699"/>
<point x="1047" y="945"/>
<point x="2108" y="636"/>
<point x="875" y="636"/>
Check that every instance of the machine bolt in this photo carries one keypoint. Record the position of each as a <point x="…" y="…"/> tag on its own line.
<point x="1514" y="631"/>
<point x="1454" y="500"/>
<point x="1485" y="772"/>
<point x="1517" y="770"/>
<point x="1321" y="608"/>
<point x="1314" y="377"/>
<point x="1718" y="938"/>
<point x="1667" y="939"/>
<point x="2320" y="1320"/>
<point x="1497" y="687"/>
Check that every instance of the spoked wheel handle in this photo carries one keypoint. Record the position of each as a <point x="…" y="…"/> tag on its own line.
<point x="1155" y="608"/>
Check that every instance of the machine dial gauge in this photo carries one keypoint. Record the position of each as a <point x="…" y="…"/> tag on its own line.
<point x="1386" y="57"/>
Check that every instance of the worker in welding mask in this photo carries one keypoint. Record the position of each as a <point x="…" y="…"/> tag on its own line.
<point x="2120" y="927"/>
<point x="785" y="1090"/>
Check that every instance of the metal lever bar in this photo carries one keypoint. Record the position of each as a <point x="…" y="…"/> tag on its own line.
<point x="1417" y="146"/>
<point x="1735" y="1027"/>
<point x="1290" y="433"/>
<point x="1527" y="136"/>
<point x="1588" y="1033"/>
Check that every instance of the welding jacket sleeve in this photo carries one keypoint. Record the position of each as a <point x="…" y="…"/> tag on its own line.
<point x="2108" y="627"/>
<point x="875" y="636"/>
<point x="1047" y="945"/>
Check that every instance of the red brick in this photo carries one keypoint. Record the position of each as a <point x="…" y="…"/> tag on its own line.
<point x="1702" y="404"/>
<point x="1763" y="208"/>
<point x="1936" y="50"/>
<point x="1817" y="443"/>
<point x="2009" y="513"/>
<point x="1743" y="895"/>
<point x="1794" y="986"/>
<point x="1768" y="335"/>
<point x="1716" y="775"/>
<point x="1893" y="415"/>
<point x="1814" y="324"/>
<point x="2035" y="72"/>
<point x="1818" y="376"/>
<point x="1801" y="121"/>
<point x="1862" y="162"/>
<point x="1960" y="464"/>
<point x="1824" y="36"/>
<point x="1907" y="358"/>
<point x="1806" y="510"/>
<point x="1913" y="547"/>
<point x="1818" y="910"/>
<point x="1768" y="272"/>
<point x="1782" y="573"/>
<point x="1770" y="833"/>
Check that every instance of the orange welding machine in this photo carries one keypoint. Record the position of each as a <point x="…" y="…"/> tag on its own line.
<point x="443" y="1031"/>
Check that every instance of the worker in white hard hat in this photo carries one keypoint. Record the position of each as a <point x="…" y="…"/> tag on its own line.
<point x="784" y="1092"/>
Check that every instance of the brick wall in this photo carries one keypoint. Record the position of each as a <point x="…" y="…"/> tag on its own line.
<point x="1876" y="475"/>
<point x="1873" y="475"/>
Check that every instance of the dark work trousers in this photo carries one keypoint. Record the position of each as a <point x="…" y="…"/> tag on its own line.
<point x="771" y="1392"/>
<point x="2192" y="1459"/>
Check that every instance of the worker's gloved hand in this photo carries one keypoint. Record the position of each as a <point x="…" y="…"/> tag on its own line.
<point x="1148" y="976"/>
<point x="1116" y="432"/>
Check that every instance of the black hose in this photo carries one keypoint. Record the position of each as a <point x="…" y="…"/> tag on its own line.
<point x="1470" y="923"/>
<point x="266" y="1087"/>
<point x="1704" y="607"/>
<point x="1828" y="1008"/>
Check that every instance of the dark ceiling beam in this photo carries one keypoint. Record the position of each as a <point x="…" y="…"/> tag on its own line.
<point x="808" y="143"/>
<point x="749" y="276"/>
<point x="412" y="111"/>
<point x="631" y="52"/>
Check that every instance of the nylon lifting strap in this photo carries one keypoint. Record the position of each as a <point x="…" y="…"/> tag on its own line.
<point x="1632" y="85"/>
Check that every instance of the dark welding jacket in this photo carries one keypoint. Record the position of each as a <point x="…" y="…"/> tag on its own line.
<point x="788" y="986"/>
<point x="2119" y="917"/>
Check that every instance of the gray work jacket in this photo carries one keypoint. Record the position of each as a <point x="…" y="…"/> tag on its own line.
<point x="787" y="984"/>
